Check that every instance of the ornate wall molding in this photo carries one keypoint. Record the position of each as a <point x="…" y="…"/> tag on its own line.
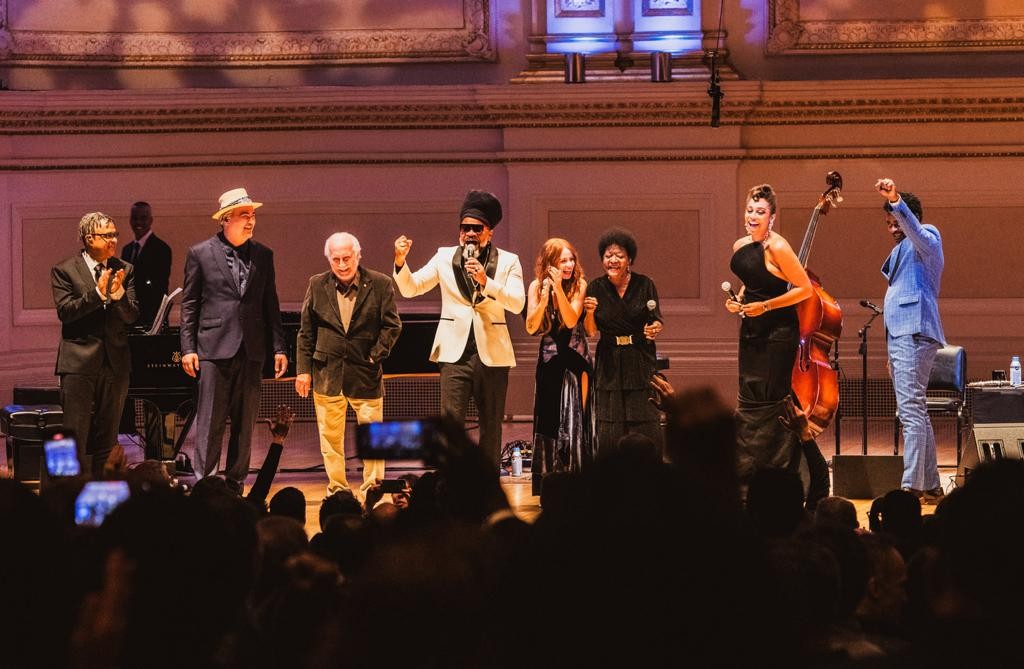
<point x="472" y="41"/>
<point x="683" y="104"/>
<point x="789" y="34"/>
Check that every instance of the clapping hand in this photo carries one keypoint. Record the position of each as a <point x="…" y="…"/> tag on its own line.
<point x="116" y="282"/>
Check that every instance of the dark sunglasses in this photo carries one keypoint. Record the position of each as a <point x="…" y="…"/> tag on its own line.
<point x="471" y="227"/>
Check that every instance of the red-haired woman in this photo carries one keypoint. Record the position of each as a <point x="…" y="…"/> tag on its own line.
<point x="563" y="431"/>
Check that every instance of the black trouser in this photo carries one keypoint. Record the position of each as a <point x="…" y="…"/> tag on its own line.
<point x="486" y="385"/>
<point x="92" y="406"/>
<point x="227" y="389"/>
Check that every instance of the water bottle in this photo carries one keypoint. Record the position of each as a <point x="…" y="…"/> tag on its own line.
<point x="1015" y="371"/>
<point x="517" y="456"/>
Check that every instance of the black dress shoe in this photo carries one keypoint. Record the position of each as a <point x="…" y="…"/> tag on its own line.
<point x="927" y="496"/>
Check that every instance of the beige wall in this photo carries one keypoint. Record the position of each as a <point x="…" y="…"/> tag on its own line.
<point x="389" y="146"/>
<point x="561" y="168"/>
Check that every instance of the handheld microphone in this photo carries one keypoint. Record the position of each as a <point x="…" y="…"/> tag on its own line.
<point x="470" y="250"/>
<point x="651" y="306"/>
<point x="868" y="305"/>
<point x="727" y="287"/>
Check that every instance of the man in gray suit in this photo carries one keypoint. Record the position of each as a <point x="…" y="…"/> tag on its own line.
<point x="95" y="296"/>
<point x="229" y="316"/>
<point x="914" y="331"/>
<point x="349" y="324"/>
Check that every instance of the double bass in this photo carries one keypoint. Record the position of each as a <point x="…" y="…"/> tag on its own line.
<point x="815" y="381"/>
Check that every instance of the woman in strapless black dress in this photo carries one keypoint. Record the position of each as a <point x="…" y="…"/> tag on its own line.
<point x="774" y="281"/>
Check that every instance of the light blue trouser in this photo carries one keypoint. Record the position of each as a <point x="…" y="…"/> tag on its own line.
<point x="911" y="358"/>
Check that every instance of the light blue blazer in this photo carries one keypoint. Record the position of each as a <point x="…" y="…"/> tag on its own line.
<point x="914" y="273"/>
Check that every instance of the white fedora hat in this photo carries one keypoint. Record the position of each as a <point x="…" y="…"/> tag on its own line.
<point x="233" y="199"/>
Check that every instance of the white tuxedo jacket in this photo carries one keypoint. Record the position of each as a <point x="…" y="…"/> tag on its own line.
<point x="503" y="292"/>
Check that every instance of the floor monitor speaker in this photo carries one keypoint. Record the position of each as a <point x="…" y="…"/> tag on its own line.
<point x="866" y="476"/>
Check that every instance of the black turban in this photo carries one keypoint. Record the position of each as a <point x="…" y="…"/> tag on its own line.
<point x="482" y="206"/>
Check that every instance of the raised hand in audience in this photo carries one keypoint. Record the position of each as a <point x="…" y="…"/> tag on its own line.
<point x="663" y="390"/>
<point x="795" y="421"/>
<point x="116" y="465"/>
<point x="281" y="423"/>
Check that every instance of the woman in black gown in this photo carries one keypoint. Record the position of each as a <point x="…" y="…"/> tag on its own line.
<point x="563" y="428"/>
<point x="774" y="281"/>
<point x="623" y="306"/>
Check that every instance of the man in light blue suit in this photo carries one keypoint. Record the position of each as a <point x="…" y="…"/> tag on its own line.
<point x="914" y="331"/>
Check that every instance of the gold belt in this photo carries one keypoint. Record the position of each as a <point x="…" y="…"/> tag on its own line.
<point x="624" y="340"/>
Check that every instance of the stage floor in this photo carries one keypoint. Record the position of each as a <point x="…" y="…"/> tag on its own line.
<point x="302" y="465"/>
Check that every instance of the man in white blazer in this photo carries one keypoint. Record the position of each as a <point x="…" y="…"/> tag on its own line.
<point x="479" y="283"/>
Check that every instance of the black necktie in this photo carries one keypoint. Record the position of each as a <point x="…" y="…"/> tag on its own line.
<point x="133" y="250"/>
<point x="98" y="270"/>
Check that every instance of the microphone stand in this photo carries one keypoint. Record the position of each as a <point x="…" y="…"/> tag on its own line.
<point x="863" y="334"/>
<point x="715" y="91"/>
<point x="837" y="420"/>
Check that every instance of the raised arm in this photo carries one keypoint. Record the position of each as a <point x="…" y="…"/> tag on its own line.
<point x="926" y="242"/>
<point x="412" y="284"/>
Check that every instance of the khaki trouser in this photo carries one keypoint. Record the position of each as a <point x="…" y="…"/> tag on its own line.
<point x="330" y="422"/>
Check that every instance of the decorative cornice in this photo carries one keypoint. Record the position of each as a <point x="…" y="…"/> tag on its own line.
<point x="473" y="41"/>
<point x="517" y="158"/>
<point x="787" y="34"/>
<point x="677" y="104"/>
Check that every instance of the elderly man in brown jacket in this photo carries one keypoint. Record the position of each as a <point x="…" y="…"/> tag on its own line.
<point x="349" y="324"/>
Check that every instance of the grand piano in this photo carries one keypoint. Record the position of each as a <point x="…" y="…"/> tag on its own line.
<point x="158" y="380"/>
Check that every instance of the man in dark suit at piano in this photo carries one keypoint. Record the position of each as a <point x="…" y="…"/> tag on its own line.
<point x="151" y="258"/>
<point x="349" y="325"/>
<point x="94" y="293"/>
<point x="229" y="315"/>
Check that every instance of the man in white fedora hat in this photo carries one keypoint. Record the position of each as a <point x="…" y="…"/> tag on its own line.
<point x="229" y="314"/>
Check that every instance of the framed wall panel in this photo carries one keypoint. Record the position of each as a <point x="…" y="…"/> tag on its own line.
<point x="839" y="26"/>
<point x="139" y="33"/>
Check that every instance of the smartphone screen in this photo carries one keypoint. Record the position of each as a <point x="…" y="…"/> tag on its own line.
<point x="61" y="457"/>
<point x="97" y="500"/>
<point x="393" y="440"/>
<point x="393" y="485"/>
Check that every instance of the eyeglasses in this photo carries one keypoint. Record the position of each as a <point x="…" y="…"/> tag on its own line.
<point x="107" y="236"/>
<point x="471" y="227"/>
